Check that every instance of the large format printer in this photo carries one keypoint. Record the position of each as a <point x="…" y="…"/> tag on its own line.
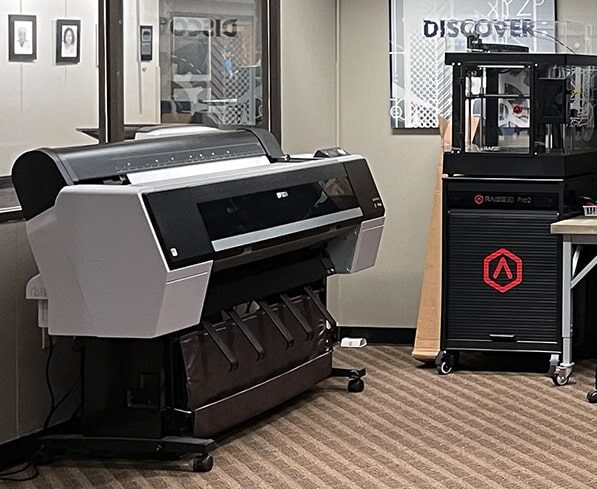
<point x="191" y="269"/>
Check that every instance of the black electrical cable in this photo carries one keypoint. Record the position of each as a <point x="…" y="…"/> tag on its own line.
<point x="55" y="405"/>
<point x="16" y="471"/>
<point x="7" y="476"/>
<point x="60" y="402"/>
<point x="49" y="385"/>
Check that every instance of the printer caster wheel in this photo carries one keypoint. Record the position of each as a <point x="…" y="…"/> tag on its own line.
<point x="445" y="362"/>
<point x="203" y="464"/>
<point x="356" y="385"/>
<point x="592" y="396"/>
<point x="354" y="375"/>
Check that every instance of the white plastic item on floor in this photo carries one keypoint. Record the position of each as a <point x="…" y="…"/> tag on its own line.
<point x="353" y="343"/>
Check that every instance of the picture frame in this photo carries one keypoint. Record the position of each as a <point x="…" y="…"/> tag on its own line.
<point x="68" y="41"/>
<point x="22" y="38"/>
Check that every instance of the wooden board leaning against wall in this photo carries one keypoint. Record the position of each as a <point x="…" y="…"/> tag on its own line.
<point x="427" y="339"/>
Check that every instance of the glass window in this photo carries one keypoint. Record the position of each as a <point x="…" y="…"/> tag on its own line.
<point x="185" y="61"/>
<point x="210" y="57"/>
<point x="497" y="109"/>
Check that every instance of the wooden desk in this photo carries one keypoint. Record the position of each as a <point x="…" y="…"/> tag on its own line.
<point x="577" y="232"/>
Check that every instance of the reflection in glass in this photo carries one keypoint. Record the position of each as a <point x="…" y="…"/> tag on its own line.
<point x="497" y="109"/>
<point x="210" y="60"/>
<point x="261" y="210"/>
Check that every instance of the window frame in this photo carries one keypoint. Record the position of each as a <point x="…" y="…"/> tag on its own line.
<point x="111" y="70"/>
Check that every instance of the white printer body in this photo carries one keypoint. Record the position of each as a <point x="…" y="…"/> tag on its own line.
<point x="103" y="270"/>
<point x="191" y="270"/>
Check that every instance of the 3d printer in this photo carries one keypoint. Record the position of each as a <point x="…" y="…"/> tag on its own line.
<point x="523" y="151"/>
<point x="522" y="114"/>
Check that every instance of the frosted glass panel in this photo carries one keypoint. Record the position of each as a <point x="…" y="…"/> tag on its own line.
<point x="210" y="62"/>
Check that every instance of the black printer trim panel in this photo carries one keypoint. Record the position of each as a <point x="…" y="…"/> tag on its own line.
<point x="189" y="221"/>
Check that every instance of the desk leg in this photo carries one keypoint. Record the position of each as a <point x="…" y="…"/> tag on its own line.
<point x="562" y="372"/>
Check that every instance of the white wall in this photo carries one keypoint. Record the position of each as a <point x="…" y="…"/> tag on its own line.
<point x="42" y="103"/>
<point x="308" y="67"/>
<point x="581" y="11"/>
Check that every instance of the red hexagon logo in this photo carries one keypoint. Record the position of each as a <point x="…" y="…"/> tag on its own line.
<point x="502" y="270"/>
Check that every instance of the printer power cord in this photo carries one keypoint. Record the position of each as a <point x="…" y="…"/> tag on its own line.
<point x="9" y="475"/>
<point x="49" y="385"/>
<point x="53" y="404"/>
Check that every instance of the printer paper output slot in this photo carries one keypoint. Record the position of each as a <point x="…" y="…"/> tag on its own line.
<point x="247" y="333"/>
<point x="262" y="235"/>
<point x="222" y="346"/>
<point x="276" y="321"/>
<point x="294" y="310"/>
<point x="317" y="301"/>
<point x="207" y="373"/>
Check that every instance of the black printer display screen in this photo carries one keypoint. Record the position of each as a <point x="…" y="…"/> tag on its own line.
<point x="253" y="212"/>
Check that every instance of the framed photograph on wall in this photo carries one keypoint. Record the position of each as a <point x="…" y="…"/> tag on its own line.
<point x="68" y="41"/>
<point x="22" y="38"/>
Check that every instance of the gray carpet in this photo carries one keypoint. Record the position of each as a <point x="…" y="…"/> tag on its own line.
<point x="410" y="429"/>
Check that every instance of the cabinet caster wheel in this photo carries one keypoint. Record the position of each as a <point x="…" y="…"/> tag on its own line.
<point x="592" y="396"/>
<point x="356" y="385"/>
<point x="445" y="368"/>
<point x="445" y="363"/>
<point x="560" y="379"/>
<point x="203" y="464"/>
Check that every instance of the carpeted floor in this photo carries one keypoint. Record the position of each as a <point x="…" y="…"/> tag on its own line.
<point x="411" y="428"/>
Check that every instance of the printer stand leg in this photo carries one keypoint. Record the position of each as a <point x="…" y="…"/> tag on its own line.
<point x="169" y="447"/>
<point x="354" y="375"/>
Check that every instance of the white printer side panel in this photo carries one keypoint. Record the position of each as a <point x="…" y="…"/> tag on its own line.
<point x="104" y="271"/>
<point x="70" y="312"/>
<point x="358" y="249"/>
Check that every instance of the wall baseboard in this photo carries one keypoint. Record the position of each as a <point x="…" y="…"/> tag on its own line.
<point x="21" y="450"/>
<point x="18" y="451"/>
<point x="377" y="335"/>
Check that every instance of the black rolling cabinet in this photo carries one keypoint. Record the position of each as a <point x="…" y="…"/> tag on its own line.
<point x="523" y="150"/>
<point x="499" y="260"/>
<point x="502" y="266"/>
